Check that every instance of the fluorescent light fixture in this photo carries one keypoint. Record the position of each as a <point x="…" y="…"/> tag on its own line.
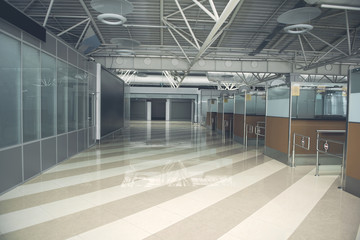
<point x="340" y="7"/>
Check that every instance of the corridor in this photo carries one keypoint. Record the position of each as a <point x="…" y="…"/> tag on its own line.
<point x="176" y="180"/>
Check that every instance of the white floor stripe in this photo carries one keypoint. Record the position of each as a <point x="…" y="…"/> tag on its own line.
<point x="281" y="216"/>
<point x="101" y="160"/>
<point x="177" y="209"/>
<point x="27" y="189"/>
<point x="20" y="219"/>
<point x="358" y="234"/>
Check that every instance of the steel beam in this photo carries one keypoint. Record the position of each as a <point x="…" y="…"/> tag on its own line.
<point x="224" y="15"/>
<point x="72" y="27"/>
<point x="177" y="42"/>
<point x="92" y="21"/>
<point x="330" y="45"/>
<point x="161" y="22"/>
<point x="48" y="13"/>
<point x="230" y="22"/>
<point x="206" y="11"/>
<point x="29" y="4"/>
<point x="187" y="24"/>
<point x="348" y="31"/>
<point x="83" y="33"/>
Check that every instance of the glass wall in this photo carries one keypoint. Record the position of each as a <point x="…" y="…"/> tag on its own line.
<point x="43" y="96"/>
<point x="72" y="99"/>
<point x="240" y="103"/>
<point x="48" y="95"/>
<point x="62" y="84"/>
<point x="82" y="82"/>
<point x="319" y="102"/>
<point x="278" y="101"/>
<point x="31" y="88"/>
<point x="10" y="89"/>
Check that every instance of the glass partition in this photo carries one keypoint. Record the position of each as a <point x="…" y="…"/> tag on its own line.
<point x="239" y="103"/>
<point x="62" y="93"/>
<point x="10" y="90"/>
<point x="313" y="101"/>
<point x="278" y="101"/>
<point x="31" y="93"/>
<point x="82" y="82"/>
<point x="48" y="95"/>
<point x="72" y="99"/>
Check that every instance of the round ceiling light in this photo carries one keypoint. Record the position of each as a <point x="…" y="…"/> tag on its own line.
<point x="124" y="52"/>
<point x="298" y="28"/>
<point x="299" y="15"/>
<point x="112" y="18"/>
<point x="121" y="7"/>
<point x="125" y="42"/>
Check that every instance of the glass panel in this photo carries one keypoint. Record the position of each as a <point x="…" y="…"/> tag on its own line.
<point x="72" y="98"/>
<point x="62" y="82"/>
<point x="278" y="101"/>
<point x="48" y="95"/>
<point x="10" y="90"/>
<point x="240" y="104"/>
<point x="229" y="105"/>
<point x="260" y="104"/>
<point x="82" y="80"/>
<point x="31" y="93"/>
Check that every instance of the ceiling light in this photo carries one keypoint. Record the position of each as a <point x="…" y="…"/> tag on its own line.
<point x="112" y="18"/>
<point x="340" y="7"/>
<point x="298" y="28"/>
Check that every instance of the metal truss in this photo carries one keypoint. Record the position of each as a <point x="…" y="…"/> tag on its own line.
<point x="188" y="34"/>
<point x="322" y="78"/>
<point x="234" y="81"/>
<point x="127" y="75"/>
<point x="317" y="61"/>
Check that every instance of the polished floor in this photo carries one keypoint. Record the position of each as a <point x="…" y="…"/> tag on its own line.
<point x="159" y="180"/>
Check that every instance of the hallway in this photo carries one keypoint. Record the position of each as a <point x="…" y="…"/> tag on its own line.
<point x="175" y="180"/>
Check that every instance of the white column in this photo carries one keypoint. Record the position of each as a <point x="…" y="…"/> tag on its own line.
<point x="167" y="109"/>
<point x="98" y="102"/>
<point x="148" y="111"/>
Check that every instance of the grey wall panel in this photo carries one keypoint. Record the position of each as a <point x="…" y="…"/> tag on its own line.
<point x="7" y="27"/>
<point x="82" y="62"/>
<point x="138" y="109"/>
<point x="32" y="160"/>
<point x="92" y="136"/>
<point x="181" y="110"/>
<point x="49" y="45"/>
<point x="61" y="51"/>
<point x="48" y="149"/>
<point x="355" y="81"/>
<point x="30" y="39"/>
<point x="72" y="143"/>
<point x="10" y="168"/>
<point x="112" y="103"/>
<point x="81" y="140"/>
<point x="352" y="186"/>
<point x="62" y="144"/>
<point x="72" y="57"/>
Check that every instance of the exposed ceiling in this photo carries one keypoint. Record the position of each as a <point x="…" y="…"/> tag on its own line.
<point x="208" y="29"/>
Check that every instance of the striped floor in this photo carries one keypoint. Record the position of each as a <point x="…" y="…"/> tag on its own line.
<point x="175" y="180"/>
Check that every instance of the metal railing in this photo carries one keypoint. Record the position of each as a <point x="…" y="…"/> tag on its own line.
<point x="259" y="131"/>
<point x="302" y="145"/>
<point x="326" y="147"/>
